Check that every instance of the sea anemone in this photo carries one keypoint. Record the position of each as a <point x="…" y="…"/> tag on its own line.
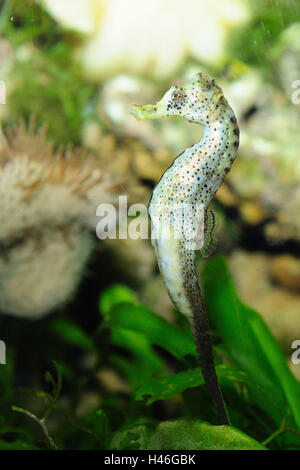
<point x="48" y="203"/>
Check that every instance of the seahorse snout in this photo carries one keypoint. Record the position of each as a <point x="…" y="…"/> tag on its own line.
<point x="146" y="111"/>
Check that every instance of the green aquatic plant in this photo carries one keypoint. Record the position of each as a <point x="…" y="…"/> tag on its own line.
<point x="157" y="360"/>
<point x="44" y="78"/>
<point x="253" y="43"/>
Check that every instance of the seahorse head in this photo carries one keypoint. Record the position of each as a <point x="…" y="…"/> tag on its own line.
<point x="196" y="101"/>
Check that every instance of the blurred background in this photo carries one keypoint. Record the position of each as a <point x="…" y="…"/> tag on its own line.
<point x="71" y="70"/>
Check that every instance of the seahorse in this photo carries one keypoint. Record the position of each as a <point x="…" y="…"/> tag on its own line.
<point x="192" y="180"/>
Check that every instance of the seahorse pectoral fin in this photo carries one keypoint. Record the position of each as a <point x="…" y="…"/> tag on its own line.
<point x="210" y="240"/>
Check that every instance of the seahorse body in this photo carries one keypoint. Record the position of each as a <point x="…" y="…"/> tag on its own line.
<point x="192" y="180"/>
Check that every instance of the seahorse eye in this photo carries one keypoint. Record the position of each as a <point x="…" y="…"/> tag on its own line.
<point x="176" y="95"/>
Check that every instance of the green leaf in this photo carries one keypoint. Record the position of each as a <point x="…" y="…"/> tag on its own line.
<point x="21" y="439"/>
<point x="145" y="362"/>
<point x="101" y="428"/>
<point x="17" y="445"/>
<point x="166" y="387"/>
<point x="114" y="295"/>
<point x="184" y="435"/>
<point x="251" y="345"/>
<point x="71" y="333"/>
<point x="158" y="331"/>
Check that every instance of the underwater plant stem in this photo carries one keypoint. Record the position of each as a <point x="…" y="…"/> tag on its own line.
<point x="41" y="422"/>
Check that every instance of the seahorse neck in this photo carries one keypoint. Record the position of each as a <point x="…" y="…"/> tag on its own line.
<point x="201" y="168"/>
<point x="217" y="132"/>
